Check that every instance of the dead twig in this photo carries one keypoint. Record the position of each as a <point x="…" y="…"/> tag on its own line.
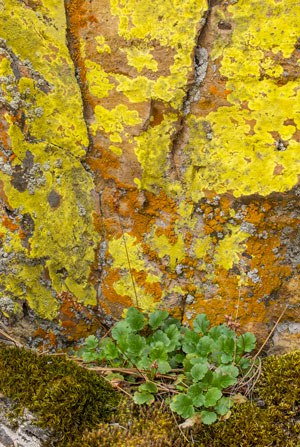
<point x="8" y="337"/>
<point x="179" y="428"/>
<point x="271" y="333"/>
<point x="131" y="371"/>
<point x="122" y="390"/>
<point x="264" y="344"/>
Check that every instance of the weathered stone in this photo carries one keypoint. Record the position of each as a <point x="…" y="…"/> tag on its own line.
<point x="164" y="161"/>
<point x="22" y="431"/>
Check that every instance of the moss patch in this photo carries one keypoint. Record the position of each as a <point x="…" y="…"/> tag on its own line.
<point x="64" y="396"/>
<point x="134" y="426"/>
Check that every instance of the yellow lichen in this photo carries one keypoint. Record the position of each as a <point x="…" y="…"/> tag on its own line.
<point x="139" y="297"/>
<point x="202" y="246"/>
<point x="130" y="258"/>
<point x="174" y="251"/>
<point x="152" y="149"/>
<point x="118" y="250"/>
<point x="269" y="105"/>
<point x="116" y="150"/>
<point x="229" y="249"/>
<point x="114" y="121"/>
<point x="97" y="80"/>
<point x="172" y="25"/>
<point x="102" y="46"/>
<point x="140" y="58"/>
<point x="55" y="139"/>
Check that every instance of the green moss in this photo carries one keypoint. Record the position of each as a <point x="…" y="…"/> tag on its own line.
<point x="135" y="426"/>
<point x="64" y="396"/>
<point x="280" y="380"/>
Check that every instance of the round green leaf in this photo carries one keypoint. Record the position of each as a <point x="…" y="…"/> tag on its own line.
<point x="143" y="398"/>
<point x="149" y="387"/>
<point x="208" y="417"/>
<point x="247" y="342"/>
<point x="226" y="358"/>
<point x="174" y="336"/>
<point x="182" y="405"/>
<point x="201" y="324"/>
<point x="135" y="344"/>
<point x="198" y="371"/>
<point x="244" y="363"/>
<point x="91" y="342"/>
<point x="169" y="321"/>
<point x="144" y="362"/>
<point x="225" y="344"/>
<point x="212" y="396"/>
<point x="122" y="343"/>
<point x="158" y="352"/>
<point x="158" y="336"/>
<point x="121" y="329"/>
<point x="108" y="349"/>
<point x="223" y="406"/>
<point x="189" y="342"/>
<point x="90" y="356"/>
<point x="229" y="344"/>
<point x="205" y="346"/>
<point x="222" y="380"/>
<point x="207" y="380"/>
<point x="135" y="319"/>
<point x="156" y="318"/>
<point x="163" y="367"/>
<point x="195" y="392"/>
<point x="216" y="331"/>
<point x="230" y="370"/>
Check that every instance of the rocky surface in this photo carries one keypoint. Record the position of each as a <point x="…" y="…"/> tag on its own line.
<point x="19" y="432"/>
<point x="149" y="154"/>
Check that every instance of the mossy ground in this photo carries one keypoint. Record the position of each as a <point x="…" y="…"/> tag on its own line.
<point x="64" y="396"/>
<point x="76" y="404"/>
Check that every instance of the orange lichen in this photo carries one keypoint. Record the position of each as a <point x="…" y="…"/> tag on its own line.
<point x="152" y="288"/>
<point x="48" y="337"/>
<point x="213" y="89"/>
<point x="109" y="294"/>
<point x="9" y="223"/>
<point x="254" y="214"/>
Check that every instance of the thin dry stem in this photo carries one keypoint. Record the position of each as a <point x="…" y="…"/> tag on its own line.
<point x="129" y="264"/>
<point x="179" y="428"/>
<point x="131" y="371"/>
<point x="271" y="333"/>
<point x="8" y="337"/>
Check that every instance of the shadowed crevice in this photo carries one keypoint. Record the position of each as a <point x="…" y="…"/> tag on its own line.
<point x="73" y="45"/>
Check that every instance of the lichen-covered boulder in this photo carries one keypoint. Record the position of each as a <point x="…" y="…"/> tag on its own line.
<point x="149" y="155"/>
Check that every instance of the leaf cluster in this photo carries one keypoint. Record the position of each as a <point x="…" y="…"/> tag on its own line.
<point x="201" y="362"/>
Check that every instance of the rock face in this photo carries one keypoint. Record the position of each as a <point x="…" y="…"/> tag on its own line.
<point x="149" y="154"/>
<point x="22" y="432"/>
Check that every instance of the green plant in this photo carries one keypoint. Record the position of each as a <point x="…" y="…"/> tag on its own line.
<point x="194" y="366"/>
